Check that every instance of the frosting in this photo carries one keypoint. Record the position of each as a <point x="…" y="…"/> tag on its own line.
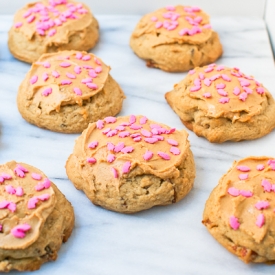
<point x="248" y="204"/>
<point x="103" y="150"/>
<point x="176" y="23"/>
<point x="64" y="78"/>
<point x="23" y="208"/>
<point x="227" y="92"/>
<point x="52" y="19"/>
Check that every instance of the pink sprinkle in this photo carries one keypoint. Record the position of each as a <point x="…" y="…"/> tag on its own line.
<point x="244" y="83"/>
<point x="77" y="91"/>
<point x="46" y="65"/>
<point x="197" y="82"/>
<point x="82" y="11"/>
<point x="86" y="57"/>
<point x="222" y="92"/>
<point x="32" y="202"/>
<point x="22" y="168"/>
<point x="19" y="191"/>
<point x="6" y="176"/>
<point x="201" y="76"/>
<point x="191" y="72"/>
<point x="10" y="190"/>
<point x="207" y="95"/>
<point x="93" y="144"/>
<point x="271" y="161"/>
<point x="207" y="26"/>
<point x="248" y="90"/>
<point x="246" y="193"/>
<point x="236" y="91"/>
<point x="92" y="86"/>
<point x="126" y="167"/>
<point x="207" y="82"/>
<point x="137" y="139"/>
<point x="47" y="91"/>
<point x="224" y="100"/>
<point x="171" y="27"/>
<point x="97" y="61"/>
<point x="107" y="130"/>
<point x="31" y="19"/>
<point x="36" y="176"/>
<point x="19" y="230"/>
<point x="77" y="69"/>
<point x="66" y="82"/>
<point x="69" y="75"/>
<point x="164" y="155"/>
<point x="52" y="32"/>
<point x="120" y="128"/>
<point x="172" y="142"/>
<point x="243" y="168"/>
<point x="260" y="220"/>
<point x="127" y="149"/>
<point x="135" y="127"/>
<point x="88" y="67"/>
<point x="146" y="133"/>
<point x="260" y="90"/>
<point x="233" y="191"/>
<point x="195" y="88"/>
<point x="110" y="146"/>
<point x="12" y="207"/>
<point x="132" y="119"/>
<point x="209" y="69"/>
<point x="260" y="167"/>
<point x="174" y="150"/>
<point x="243" y="96"/>
<point x="55" y="74"/>
<point x="170" y="8"/>
<point x="100" y="124"/>
<point x="151" y="140"/>
<point x="87" y="80"/>
<point x="19" y="172"/>
<point x="119" y="147"/>
<point x="143" y="120"/>
<point x="45" y="76"/>
<point x="64" y="64"/>
<point x="124" y="134"/>
<point x="215" y="77"/>
<point x="92" y="73"/>
<point x="115" y="173"/>
<point x="220" y="86"/>
<point x="234" y="223"/>
<point x="18" y="25"/>
<point x="266" y="185"/>
<point x="260" y="205"/>
<point x="158" y="25"/>
<point x="110" y="119"/>
<point x="34" y="79"/>
<point x="111" y="158"/>
<point x="225" y="77"/>
<point x="91" y="160"/>
<point x="158" y="137"/>
<point x="243" y="176"/>
<point x="154" y="19"/>
<point x="148" y="155"/>
<point x="220" y="68"/>
<point x="111" y="133"/>
<point x="44" y="197"/>
<point x="98" y="69"/>
<point x="78" y="55"/>
<point x="4" y="204"/>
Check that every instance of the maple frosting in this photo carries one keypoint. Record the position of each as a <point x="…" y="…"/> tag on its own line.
<point x="64" y="78"/>
<point x="26" y="201"/>
<point x="227" y="92"/>
<point x="112" y="147"/>
<point x="52" y="20"/>
<point x="181" y="24"/>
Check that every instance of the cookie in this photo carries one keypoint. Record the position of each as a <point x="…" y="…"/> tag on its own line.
<point x="240" y="210"/>
<point x="50" y="26"/>
<point x="129" y="164"/>
<point x="35" y="218"/>
<point x="176" y="39"/>
<point x="65" y="91"/>
<point x="221" y="104"/>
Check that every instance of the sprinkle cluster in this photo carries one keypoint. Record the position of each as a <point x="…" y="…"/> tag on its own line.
<point x="132" y="131"/>
<point x="170" y="20"/>
<point x="47" y="18"/>
<point x="66" y="73"/>
<point x="219" y="77"/>
<point x="260" y="205"/>
<point x="20" y="230"/>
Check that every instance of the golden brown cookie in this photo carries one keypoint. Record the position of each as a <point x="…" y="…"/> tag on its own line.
<point x="176" y="39"/>
<point x="35" y="218"/>
<point x="129" y="164"/>
<point x="65" y="91"/>
<point x="240" y="210"/>
<point x="221" y="104"/>
<point x="50" y="26"/>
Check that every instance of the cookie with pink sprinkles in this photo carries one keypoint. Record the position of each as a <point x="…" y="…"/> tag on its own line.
<point x="221" y="103"/>
<point x="65" y="91"/>
<point x="50" y="26"/>
<point x="176" y="39"/>
<point x="129" y="164"/>
<point x="35" y="218"/>
<point x="239" y="213"/>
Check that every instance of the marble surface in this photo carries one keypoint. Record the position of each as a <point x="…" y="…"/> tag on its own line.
<point x="162" y="240"/>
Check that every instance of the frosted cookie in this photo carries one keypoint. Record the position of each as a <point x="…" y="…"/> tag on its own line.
<point x="50" y="26"/>
<point x="176" y="39"/>
<point x="65" y="91"/>
<point x="240" y="210"/>
<point x="221" y="104"/>
<point x="35" y="218"/>
<point x="129" y="164"/>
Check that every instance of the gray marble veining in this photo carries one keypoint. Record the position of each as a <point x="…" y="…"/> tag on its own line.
<point x="162" y="240"/>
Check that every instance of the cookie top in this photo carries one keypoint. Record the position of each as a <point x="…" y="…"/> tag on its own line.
<point x="114" y="146"/>
<point x="184" y="24"/>
<point x="64" y="78"/>
<point x="52" y="20"/>
<point x="26" y="201"/>
<point x="227" y="92"/>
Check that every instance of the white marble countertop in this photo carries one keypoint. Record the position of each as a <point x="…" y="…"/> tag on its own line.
<point x="162" y="240"/>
